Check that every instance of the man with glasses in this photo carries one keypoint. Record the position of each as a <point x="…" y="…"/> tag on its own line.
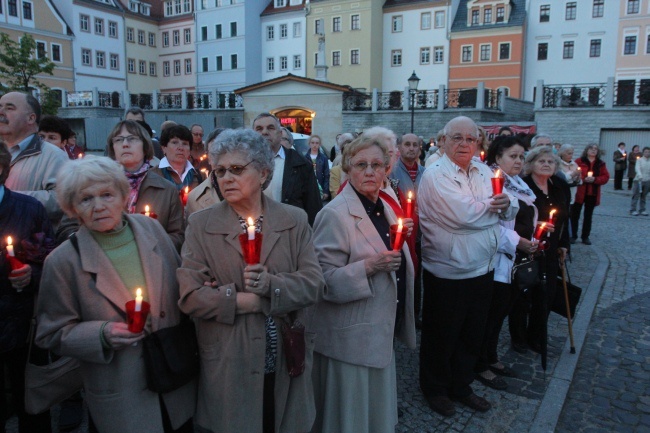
<point x="294" y="181"/>
<point x="459" y="221"/>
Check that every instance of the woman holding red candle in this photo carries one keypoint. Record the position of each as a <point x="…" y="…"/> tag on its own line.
<point x="82" y="305"/>
<point x="368" y="301"/>
<point x="244" y="384"/>
<point x="130" y="145"/>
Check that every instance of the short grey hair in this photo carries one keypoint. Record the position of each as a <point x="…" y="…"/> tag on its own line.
<point x="535" y="153"/>
<point x="379" y="132"/>
<point x="360" y="143"/>
<point x="346" y="136"/>
<point x="533" y="141"/>
<point x="289" y="135"/>
<point x="245" y="141"/>
<point x="80" y="173"/>
<point x="565" y="148"/>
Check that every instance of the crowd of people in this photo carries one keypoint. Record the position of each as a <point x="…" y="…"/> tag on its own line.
<point x="177" y="216"/>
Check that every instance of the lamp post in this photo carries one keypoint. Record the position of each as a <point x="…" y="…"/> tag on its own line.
<point x="413" y="88"/>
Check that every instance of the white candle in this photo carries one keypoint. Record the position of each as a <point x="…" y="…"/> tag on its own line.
<point x="146" y="210"/>
<point x="399" y="225"/>
<point x="251" y="229"/>
<point x="590" y="173"/>
<point x="10" y="247"/>
<point x="138" y="299"/>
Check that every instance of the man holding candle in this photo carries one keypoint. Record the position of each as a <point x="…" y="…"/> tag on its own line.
<point x="459" y="220"/>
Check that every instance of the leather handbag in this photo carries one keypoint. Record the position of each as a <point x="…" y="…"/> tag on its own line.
<point x="525" y="273"/>
<point x="558" y="305"/>
<point x="293" y="345"/>
<point x="49" y="384"/>
<point x="171" y="357"/>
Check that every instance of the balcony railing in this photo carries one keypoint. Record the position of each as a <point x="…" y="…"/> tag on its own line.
<point x="357" y="101"/>
<point x="631" y="92"/>
<point x="426" y="99"/>
<point x="575" y="96"/>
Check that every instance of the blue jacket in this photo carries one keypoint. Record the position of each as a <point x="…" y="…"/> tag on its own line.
<point x="321" y="170"/>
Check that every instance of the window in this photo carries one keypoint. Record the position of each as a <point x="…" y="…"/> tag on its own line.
<point x="177" y="67"/>
<point x="187" y="6"/>
<point x="318" y="26"/>
<point x="354" y="57"/>
<point x="13" y="8"/>
<point x="570" y="13"/>
<point x="219" y="60"/>
<point x="153" y="69"/>
<point x="141" y="37"/>
<point x="336" y="24"/>
<point x="100" y="59"/>
<point x="40" y="50"/>
<point x="169" y="9"/>
<point x="176" y="37"/>
<point x="188" y="66"/>
<point x="647" y="44"/>
<point x="204" y="64"/>
<point x="297" y="61"/>
<point x="594" y="48"/>
<point x="131" y="66"/>
<point x="425" y="20"/>
<point x="633" y="6"/>
<point x="297" y="30"/>
<point x="629" y="48"/>
<point x="217" y="31"/>
<point x="270" y="64"/>
<point x="233" y="29"/>
<point x="336" y="58"/>
<point x="187" y="36"/>
<point x="396" y="58"/>
<point x="56" y="53"/>
<point x="440" y="19"/>
<point x="130" y="34"/>
<point x="152" y="39"/>
<point x="142" y="67"/>
<point x="397" y="24"/>
<point x="114" y="61"/>
<point x="83" y="23"/>
<point x="438" y="54"/>
<point x="284" y="31"/>
<point x="99" y="26"/>
<point x="544" y="13"/>
<point x="112" y="29"/>
<point x="567" y="52"/>
<point x="316" y="62"/>
<point x="475" y="17"/>
<point x="501" y="14"/>
<point x="487" y="16"/>
<point x="233" y="61"/>
<point x="283" y="63"/>
<point x="280" y="3"/>
<point x="355" y="22"/>
<point x="204" y="33"/>
<point x="27" y="11"/>
<point x="1" y="12"/>
<point x="485" y="52"/>
<point x="542" y="51"/>
<point x="504" y="51"/>
<point x="598" y="9"/>
<point x="166" y="69"/>
<point x="85" y="57"/>
<point x="425" y="56"/>
<point x="270" y="33"/>
<point x="466" y="54"/>
<point x="165" y="39"/>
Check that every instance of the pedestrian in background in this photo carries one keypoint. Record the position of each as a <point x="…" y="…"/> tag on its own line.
<point x="631" y="164"/>
<point x="620" y="164"/>
<point x="641" y="183"/>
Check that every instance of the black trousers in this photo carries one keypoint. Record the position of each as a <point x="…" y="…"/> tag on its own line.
<point x="618" y="179"/>
<point x="454" y="313"/>
<point x="630" y="180"/>
<point x="503" y="297"/>
<point x="576" y="209"/>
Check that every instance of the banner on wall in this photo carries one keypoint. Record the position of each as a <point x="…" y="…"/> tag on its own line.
<point x="493" y="130"/>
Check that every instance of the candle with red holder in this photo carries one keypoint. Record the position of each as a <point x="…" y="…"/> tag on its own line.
<point x="497" y="183"/>
<point x="551" y="216"/>
<point x="149" y="213"/>
<point x="408" y="212"/>
<point x="137" y="311"/>
<point x="251" y="244"/>
<point x="397" y="237"/>
<point x="482" y="156"/>
<point x="14" y="263"/>
<point x="184" y="194"/>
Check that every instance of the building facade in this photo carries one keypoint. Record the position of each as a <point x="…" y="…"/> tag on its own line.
<point x="632" y="73"/>
<point x="283" y="39"/>
<point x="177" y="52"/>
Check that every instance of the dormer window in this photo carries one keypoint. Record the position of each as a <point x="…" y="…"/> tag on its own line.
<point x="487" y="16"/>
<point x="280" y="3"/>
<point x="475" y="17"/>
<point x="501" y="13"/>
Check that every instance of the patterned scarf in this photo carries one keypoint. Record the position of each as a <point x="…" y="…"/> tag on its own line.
<point x="135" y="180"/>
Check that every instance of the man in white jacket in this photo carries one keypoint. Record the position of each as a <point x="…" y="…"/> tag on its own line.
<point x="459" y="220"/>
<point x="641" y="183"/>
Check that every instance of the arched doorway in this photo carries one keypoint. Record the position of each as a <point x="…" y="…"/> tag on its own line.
<point x="297" y="119"/>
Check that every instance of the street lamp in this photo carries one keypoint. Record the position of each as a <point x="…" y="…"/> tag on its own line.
<point x="413" y="88"/>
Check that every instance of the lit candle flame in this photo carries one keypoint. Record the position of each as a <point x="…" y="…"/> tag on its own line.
<point x="497" y="173"/>
<point x="410" y="195"/>
<point x="9" y="241"/>
<point x="551" y="214"/>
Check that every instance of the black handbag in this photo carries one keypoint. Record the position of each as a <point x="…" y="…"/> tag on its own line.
<point x="559" y="304"/>
<point x="525" y="273"/>
<point x="171" y="357"/>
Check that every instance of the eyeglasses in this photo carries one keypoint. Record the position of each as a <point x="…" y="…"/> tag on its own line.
<point x="128" y="139"/>
<point x="234" y="169"/>
<point x="458" y="139"/>
<point x="363" y="166"/>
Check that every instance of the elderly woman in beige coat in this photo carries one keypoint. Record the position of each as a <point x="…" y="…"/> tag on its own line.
<point x="81" y="304"/>
<point x="244" y="385"/>
<point x="368" y="300"/>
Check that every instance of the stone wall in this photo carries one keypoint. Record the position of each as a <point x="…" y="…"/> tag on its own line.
<point x="519" y="109"/>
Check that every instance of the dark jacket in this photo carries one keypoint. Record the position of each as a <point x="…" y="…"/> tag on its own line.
<point x="299" y="186"/>
<point x="321" y="170"/>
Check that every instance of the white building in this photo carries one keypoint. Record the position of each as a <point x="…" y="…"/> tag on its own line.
<point x="283" y="39"/>
<point x="98" y="46"/>
<point x="416" y="38"/>
<point x="570" y="42"/>
<point x="177" y="59"/>
<point x="228" y="49"/>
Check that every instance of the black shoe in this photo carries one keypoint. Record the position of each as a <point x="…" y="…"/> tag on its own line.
<point x="475" y="402"/>
<point x="442" y="405"/>
<point x="586" y="241"/>
<point x="496" y="383"/>
<point x="519" y="347"/>
<point x="505" y="371"/>
<point x="573" y="240"/>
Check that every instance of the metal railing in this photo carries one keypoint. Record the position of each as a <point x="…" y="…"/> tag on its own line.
<point x="631" y="92"/>
<point x="142" y="100"/>
<point x="574" y="96"/>
<point x="357" y="101"/>
<point x="199" y="100"/>
<point x="492" y="99"/>
<point x="389" y="100"/>
<point x="426" y="99"/>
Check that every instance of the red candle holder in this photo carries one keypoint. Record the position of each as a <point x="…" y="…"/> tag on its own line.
<point x="135" y="320"/>
<point x="251" y="248"/>
<point x="151" y="215"/>
<point x="15" y="264"/>
<point x="397" y="237"/>
<point x="408" y="210"/>
<point x="482" y="156"/>
<point x="497" y="185"/>
<point x="184" y="193"/>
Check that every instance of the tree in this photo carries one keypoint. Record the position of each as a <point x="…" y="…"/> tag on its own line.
<point x="21" y="64"/>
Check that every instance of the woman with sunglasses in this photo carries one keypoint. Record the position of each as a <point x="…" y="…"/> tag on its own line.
<point x="244" y="384"/>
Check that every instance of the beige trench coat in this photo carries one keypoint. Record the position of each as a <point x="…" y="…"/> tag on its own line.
<point x="232" y="346"/>
<point x="72" y="307"/>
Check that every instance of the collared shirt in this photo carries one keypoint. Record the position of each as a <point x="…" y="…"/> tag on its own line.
<point x="16" y="149"/>
<point x="274" y="190"/>
<point x="164" y="163"/>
